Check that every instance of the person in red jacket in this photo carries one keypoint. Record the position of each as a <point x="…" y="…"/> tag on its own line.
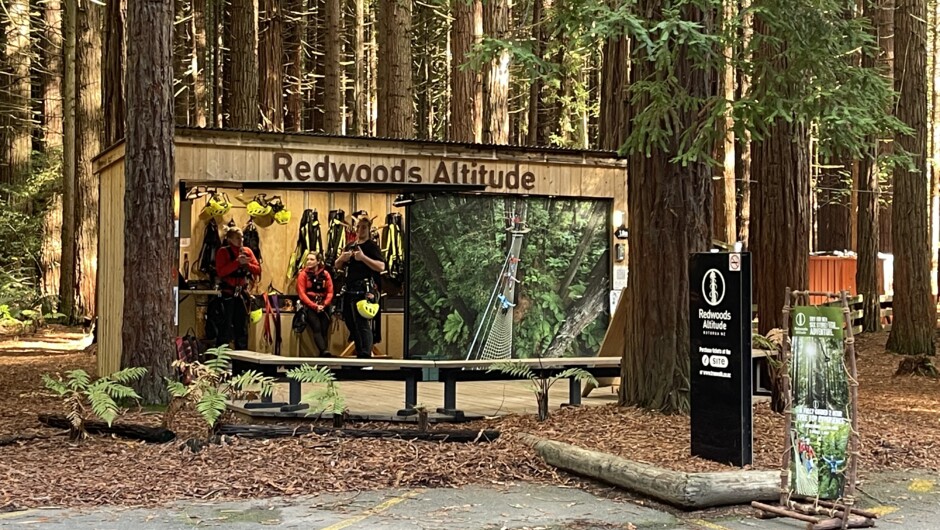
<point x="315" y="288"/>
<point x="236" y="266"/>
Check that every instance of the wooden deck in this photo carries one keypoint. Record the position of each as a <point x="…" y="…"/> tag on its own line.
<point x="488" y="398"/>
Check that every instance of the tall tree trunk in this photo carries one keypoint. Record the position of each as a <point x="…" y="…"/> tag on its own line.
<point x="914" y="325"/>
<point x="51" y="251"/>
<point x="884" y="22"/>
<point x="148" y="169"/>
<point x="270" y="64"/>
<point x="395" y="84"/>
<point x="68" y="266"/>
<point x="113" y="65"/>
<point x="935" y="127"/>
<point x="333" y="118"/>
<point x="670" y="217"/>
<point x="198" y="65"/>
<point x="780" y="165"/>
<point x="181" y="62"/>
<point x="360" y="108"/>
<point x="742" y="166"/>
<point x="833" y="223"/>
<point x="219" y="31"/>
<point x="52" y="76"/>
<point x="466" y="102"/>
<point x="497" y="116"/>
<point x="293" y="48"/>
<point x="535" y="85"/>
<point x="725" y="225"/>
<point x="614" y="86"/>
<point x="88" y="119"/>
<point x="243" y="52"/>
<point x="18" y="56"/>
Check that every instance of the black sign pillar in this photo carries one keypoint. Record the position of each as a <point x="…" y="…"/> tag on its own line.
<point x="720" y="331"/>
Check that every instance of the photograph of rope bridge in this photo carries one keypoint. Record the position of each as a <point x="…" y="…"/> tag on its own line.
<point x="499" y="277"/>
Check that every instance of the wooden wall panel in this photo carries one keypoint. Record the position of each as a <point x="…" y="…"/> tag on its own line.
<point x="111" y="265"/>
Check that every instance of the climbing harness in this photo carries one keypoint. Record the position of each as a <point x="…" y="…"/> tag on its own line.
<point x="308" y="240"/>
<point x="252" y="239"/>
<point x="336" y="237"/>
<point x="392" y="253"/>
<point x="211" y="243"/>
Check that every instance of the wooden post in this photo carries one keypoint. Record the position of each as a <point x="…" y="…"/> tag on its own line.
<point x="852" y="458"/>
<point x="785" y="360"/>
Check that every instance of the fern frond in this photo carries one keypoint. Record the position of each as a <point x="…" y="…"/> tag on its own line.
<point x="55" y="385"/>
<point x="514" y="369"/>
<point x="102" y="405"/>
<point x="211" y="405"/>
<point x="77" y="379"/>
<point x="177" y="389"/>
<point x="311" y="374"/>
<point x="578" y="374"/>
<point x="128" y="374"/>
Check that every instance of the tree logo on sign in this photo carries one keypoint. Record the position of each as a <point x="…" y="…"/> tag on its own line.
<point x="713" y="287"/>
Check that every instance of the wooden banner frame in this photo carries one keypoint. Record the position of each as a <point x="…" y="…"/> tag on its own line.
<point x="820" y="514"/>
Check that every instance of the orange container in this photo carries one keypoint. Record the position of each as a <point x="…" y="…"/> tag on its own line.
<point x="831" y="274"/>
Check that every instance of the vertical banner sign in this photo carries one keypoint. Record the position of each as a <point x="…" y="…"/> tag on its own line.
<point x="720" y="363"/>
<point x="820" y="426"/>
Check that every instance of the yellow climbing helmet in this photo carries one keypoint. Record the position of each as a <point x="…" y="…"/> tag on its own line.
<point x="255" y="315"/>
<point x="281" y="213"/>
<point x="217" y="204"/>
<point x="367" y="308"/>
<point x="258" y="207"/>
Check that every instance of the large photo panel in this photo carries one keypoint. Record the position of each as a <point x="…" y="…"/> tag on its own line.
<point x="497" y="277"/>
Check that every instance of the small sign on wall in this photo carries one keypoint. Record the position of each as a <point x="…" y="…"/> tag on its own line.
<point x="620" y="277"/>
<point x="614" y="300"/>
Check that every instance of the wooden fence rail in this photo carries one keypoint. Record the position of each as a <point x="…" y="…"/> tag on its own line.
<point x="857" y="312"/>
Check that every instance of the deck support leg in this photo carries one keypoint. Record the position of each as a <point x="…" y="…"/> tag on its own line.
<point x="450" y="396"/>
<point x="294" y="398"/>
<point x="574" y="393"/>
<point x="411" y="394"/>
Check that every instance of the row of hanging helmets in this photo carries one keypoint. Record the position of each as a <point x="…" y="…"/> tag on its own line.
<point x="340" y="231"/>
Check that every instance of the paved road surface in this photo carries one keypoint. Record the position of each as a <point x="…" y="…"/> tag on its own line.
<point x="908" y="501"/>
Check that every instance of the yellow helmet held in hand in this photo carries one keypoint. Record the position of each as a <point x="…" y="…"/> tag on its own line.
<point x="367" y="308"/>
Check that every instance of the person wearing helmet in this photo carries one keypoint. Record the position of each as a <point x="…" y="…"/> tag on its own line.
<point x="363" y="262"/>
<point x="315" y="288"/>
<point x="236" y="265"/>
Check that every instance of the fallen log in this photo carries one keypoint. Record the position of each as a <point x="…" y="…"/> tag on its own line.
<point x="686" y="490"/>
<point x="10" y="440"/>
<point x="125" y="430"/>
<point x="277" y="431"/>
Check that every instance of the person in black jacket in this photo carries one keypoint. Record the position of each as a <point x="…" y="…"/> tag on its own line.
<point x="363" y="262"/>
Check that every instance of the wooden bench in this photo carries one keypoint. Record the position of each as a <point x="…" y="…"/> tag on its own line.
<point x="411" y="372"/>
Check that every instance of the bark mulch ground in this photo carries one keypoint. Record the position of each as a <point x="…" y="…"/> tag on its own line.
<point x="900" y="426"/>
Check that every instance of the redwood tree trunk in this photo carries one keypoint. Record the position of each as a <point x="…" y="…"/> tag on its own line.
<point x="535" y="86"/>
<point x="834" y="222"/>
<point x="914" y="325"/>
<point x="68" y="267"/>
<point x="360" y="110"/>
<point x="88" y="119"/>
<point x="114" y="72"/>
<point x="333" y="68"/>
<point x="725" y="217"/>
<point x="884" y="22"/>
<point x="614" y="84"/>
<point x="148" y="329"/>
<point x="466" y="101"/>
<point x="395" y="85"/>
<point x="293" y="47"/>
<point x="17" y="55"/>
<point x="781" y="222"/>
<point x="198" y="65"/>
<point x="742" y="169"/>
<point x="669" y="211"/>
<point x="52" y="76"/>
<point x="866" y="275"/>
<point x="497" y="91"/>
<point x="270" y="63"/>
<point x="242" y="92"/>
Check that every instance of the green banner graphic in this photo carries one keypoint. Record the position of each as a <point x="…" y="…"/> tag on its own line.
<point x="820" y="426"/>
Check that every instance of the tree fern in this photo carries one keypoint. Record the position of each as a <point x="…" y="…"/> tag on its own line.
<point x="326" y="399"/>
<point x="81" y="394"/>
<point x="578" y="374"/>
<point x="514" y="369"/>
<point x="128" y="375"/>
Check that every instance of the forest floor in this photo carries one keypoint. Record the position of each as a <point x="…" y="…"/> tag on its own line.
<point x="899" y="424"/>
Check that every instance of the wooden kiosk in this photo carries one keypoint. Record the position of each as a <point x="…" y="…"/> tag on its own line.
<point x="327" y="173"/>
